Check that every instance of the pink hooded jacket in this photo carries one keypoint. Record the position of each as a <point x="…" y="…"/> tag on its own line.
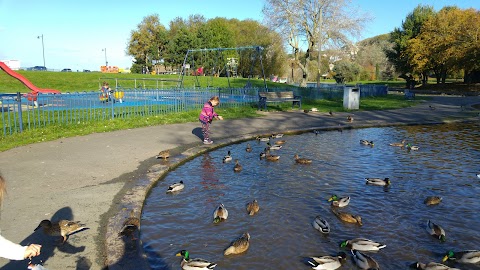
<point x="207" y="113"/>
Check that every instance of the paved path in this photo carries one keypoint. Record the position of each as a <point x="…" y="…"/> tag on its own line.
<point x="97" y="178"/>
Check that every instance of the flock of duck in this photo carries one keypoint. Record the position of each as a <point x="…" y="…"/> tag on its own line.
<point x="358" y="246"/>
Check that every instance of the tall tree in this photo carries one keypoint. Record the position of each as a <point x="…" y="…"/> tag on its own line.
<point x="322" y="23"/>
<point x="148" y="42"/>
<point x="400" y="37"/>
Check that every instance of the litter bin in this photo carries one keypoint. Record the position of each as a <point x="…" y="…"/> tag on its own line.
<point x="351" y="98"/>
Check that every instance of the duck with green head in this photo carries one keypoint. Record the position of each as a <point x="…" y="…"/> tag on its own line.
<point x="364" y="261"/>
<point x="467" y="256"/>
<point x="431" y="266"/>
<point x="194" y="264"/>
<point x="339" y="202"/>
<point x="220" y="213"/>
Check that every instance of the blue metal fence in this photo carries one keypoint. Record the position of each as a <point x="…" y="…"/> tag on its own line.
<point x="23" y="112"/>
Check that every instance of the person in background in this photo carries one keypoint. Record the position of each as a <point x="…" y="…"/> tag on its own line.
<point x="206" y="117"/>
<point x="10" y="250"/>
<point x="106" y="91"/>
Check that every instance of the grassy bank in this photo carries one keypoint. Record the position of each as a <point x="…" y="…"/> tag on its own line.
<point x="84" y="128"/>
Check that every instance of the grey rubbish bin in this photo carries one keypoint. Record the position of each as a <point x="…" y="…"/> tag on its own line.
<point x="351" y="98"/>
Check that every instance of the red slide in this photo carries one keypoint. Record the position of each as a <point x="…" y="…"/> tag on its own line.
<point x="24" y="80"/>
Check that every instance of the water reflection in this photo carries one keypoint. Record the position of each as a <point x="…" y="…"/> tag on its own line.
<point x="291" y="196"/>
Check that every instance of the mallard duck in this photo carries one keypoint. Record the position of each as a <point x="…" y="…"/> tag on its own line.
<point x="280" y="142"/>
<point x="306" y="111"/>
<point x="412" y="147"/>
<point x="478" y="175"/>
<point x="364" y="261"/>
<point x="431" y="266"/>
<point x="248" y="148"/>
<point x="398" y="144"/>
<point x="273" y="147"/>
<point x="302" y="160"/>
<point x="263" y="139"/>
<point x="228" y="157"/>
<point x="130" y="225"/>
<point x="316" y="132"/>
<point x="365" y="142"/>
<point x="339" y="202"/>
<point x="276" y="136"/>
<point x="330" y="113"/>
<point x="362" y="244"/>
<point x="62" y="228"/>
<point x="237" y="167"/>
<point x="435" y="230"/>
<point x="253" y="207"/>
<point x="194" y="264"/>
<point x="321" y="224"/>
<point x="378" y="181"/>
<point x="347" y="217"/>
<point x="431" y="107"/>
<point x="238" y="246"/>
<point x="263" y="154"/>
<point x="220" y="213"/>
<point x="467" y="256"/>
<point x="270" y="157"/>
<point x="163" y="154"/>
<point x="175" y="187"/>
<point x="432" y="200"/>
<point x="327" y="262"/>
<point x="350" y="119"/>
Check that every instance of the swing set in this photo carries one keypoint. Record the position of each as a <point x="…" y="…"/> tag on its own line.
<point x="225" y="62"/>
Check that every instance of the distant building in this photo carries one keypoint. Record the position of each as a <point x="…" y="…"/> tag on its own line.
<point x="12" y="64"/>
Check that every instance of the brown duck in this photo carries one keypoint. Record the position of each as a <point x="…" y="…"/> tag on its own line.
<point x="130" y="226"/>
<point x="253" y="207"/>
<point x="238" y="246"/>
<point x="347" y="217"/>
<point x="163" y="154"/>
<point x="62" y="228"/>
<point x="302" y="160"/>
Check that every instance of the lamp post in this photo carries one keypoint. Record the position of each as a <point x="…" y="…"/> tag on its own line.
<point x="105" y="50"/>
<point x="43" y="49"/>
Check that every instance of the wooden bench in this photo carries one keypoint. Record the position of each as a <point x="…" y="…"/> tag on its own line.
<point x="285" y="96"/>
<point x="409" y="94"/>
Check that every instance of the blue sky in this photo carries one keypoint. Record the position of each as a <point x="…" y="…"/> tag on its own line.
<point x="75" y="32"/>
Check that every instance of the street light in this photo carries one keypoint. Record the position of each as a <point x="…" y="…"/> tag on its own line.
<point x="105" y="50"/>
<point x="43" y="50"/>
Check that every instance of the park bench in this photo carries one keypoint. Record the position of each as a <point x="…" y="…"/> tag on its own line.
<point x="409" y="94"/>
<point x="285" y="96"/>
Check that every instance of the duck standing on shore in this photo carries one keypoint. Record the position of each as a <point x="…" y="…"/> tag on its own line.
<point x="62" y="228"/>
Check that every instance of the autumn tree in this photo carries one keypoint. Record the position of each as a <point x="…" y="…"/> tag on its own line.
<point x="148" y="43"/>
<point x="400" y="37"/>
<point x="322" y="23"/>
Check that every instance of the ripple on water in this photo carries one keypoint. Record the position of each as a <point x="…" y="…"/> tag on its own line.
<point x="291" y="196"/>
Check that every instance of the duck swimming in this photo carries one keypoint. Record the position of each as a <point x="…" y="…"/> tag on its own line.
<point x="432" y="200"/>
<point x="378" y="181"/>
<point x="339" y="202"/>
<point x="321" y="224"/>
<point x="467" y="256"/>
<point x="238" y="246"/>
<point x="302" y="160"/>
<point x="328" y="262"/>
<point x="365" y="142"/>
<point x="237" y="167"/>
<point x="398" y="144"/>
<point x="347" y="217"/>
<point x="220" y="213"/>
<point x="175" y="187"/>
<point x="253" y="207"/>
<point x="431" y="266"/>
<point x="362" y="244"/>
<point x="191" y="264"/>
<point x="364" y="261"/>
<point x="228" y="157"/>
<point x="435" y="230"/>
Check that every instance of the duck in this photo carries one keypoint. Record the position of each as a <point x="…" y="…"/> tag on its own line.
<point x="278" y="135"/>
<point x="365" y="142"/>
<point x="327" y="262"/>
<point x="302" y="160"/>
<point x="347" y="217"/>
<point x="237" y="167"/>
<point x="306" y="111"/>
<point x="364" y="261"/>
<point x="253" y="207"/>
<point x="280" y="142"/>
<point x="435" y="230"/>
<point x="314" y="110"/>
<point x="263" y="154"/>
<point x="398" y="144"/>
<point x="269" y="157"/>
<point x="62" y="228"/>
<point x="238" y="246"/>
<point x="362" y="244"/>
<point x="467" y="256"/>
<point x="478" y="175"/>
<point x="220" y="213"/>
<point x="432" y="200"/>
<point x="431" y="266"/>
<point x="330" y="113"/>
<point x="321" y="224"/>
<point x="350" y="119"/>
<point x="228" y="157"/>
<point x="248" y="148"/>
<point x="316" y="132"/>
<point x="194" y="264"/>
<point x="163" y="154"/>
<point x="431" y="107"/>
<point x="273" y="147"/>
<point x="339" y="202"/>
<point x="262" y="139"/>
<point x="378" y="181"/>
<point x="412" y="147"/>
<point x="175" y="187"/>
<point x="130" y="226"/>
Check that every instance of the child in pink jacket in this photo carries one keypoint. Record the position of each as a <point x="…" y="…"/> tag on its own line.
<point x="206" y="117"/>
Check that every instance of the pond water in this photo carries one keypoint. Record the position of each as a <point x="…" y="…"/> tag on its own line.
<point x="291" y="195"/>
